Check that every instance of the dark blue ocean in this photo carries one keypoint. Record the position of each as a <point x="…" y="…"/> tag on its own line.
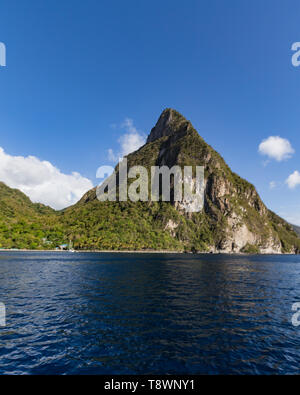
<point x="102" y="313"/>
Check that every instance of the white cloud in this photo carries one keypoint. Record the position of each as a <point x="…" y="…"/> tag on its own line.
<point x="41" y="181"/>
<point x="293" y="180"/>
<point x="129" y="142"/>
<point x="273" y="184"/>
<point x="277" y="148"/>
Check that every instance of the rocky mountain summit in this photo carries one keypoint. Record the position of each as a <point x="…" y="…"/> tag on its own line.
<point x="234" y="218"/>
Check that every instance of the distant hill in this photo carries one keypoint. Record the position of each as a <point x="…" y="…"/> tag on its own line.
<point x="296" y="229"/>
<point x="24" y="224"/>
<point x="234" y="218"/>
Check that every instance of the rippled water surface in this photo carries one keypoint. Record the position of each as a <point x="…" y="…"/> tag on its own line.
<point x="89" y="313"/>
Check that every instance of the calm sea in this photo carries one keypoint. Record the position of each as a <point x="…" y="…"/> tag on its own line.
<point x="92" y="313"/>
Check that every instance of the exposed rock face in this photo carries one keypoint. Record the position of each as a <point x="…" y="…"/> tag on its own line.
<point x="228" y="198"/>
<point x="164" y="126"/>
<point x="234" y="218"/>
<point x="171" y="226"/>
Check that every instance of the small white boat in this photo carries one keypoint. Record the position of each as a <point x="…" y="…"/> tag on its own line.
<point x="71" y="249"/>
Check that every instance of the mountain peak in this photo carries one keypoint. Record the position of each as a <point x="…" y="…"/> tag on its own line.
<point x="168" y="123"/>
<point x="233" y="219"/>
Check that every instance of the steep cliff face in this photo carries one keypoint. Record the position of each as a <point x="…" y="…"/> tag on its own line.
<point x="169" y="124"/>
<point x="234" y="218"/>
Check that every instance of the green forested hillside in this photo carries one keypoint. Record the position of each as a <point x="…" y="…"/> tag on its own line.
<point x="24" y="224"/>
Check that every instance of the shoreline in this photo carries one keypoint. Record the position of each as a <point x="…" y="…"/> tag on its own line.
<point x="145" y="252"/>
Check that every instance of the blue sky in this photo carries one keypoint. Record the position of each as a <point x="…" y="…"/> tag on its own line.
<point x="82" y="76"/>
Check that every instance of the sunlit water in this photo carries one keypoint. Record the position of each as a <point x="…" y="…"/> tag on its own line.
<point x="87" y="313"/>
